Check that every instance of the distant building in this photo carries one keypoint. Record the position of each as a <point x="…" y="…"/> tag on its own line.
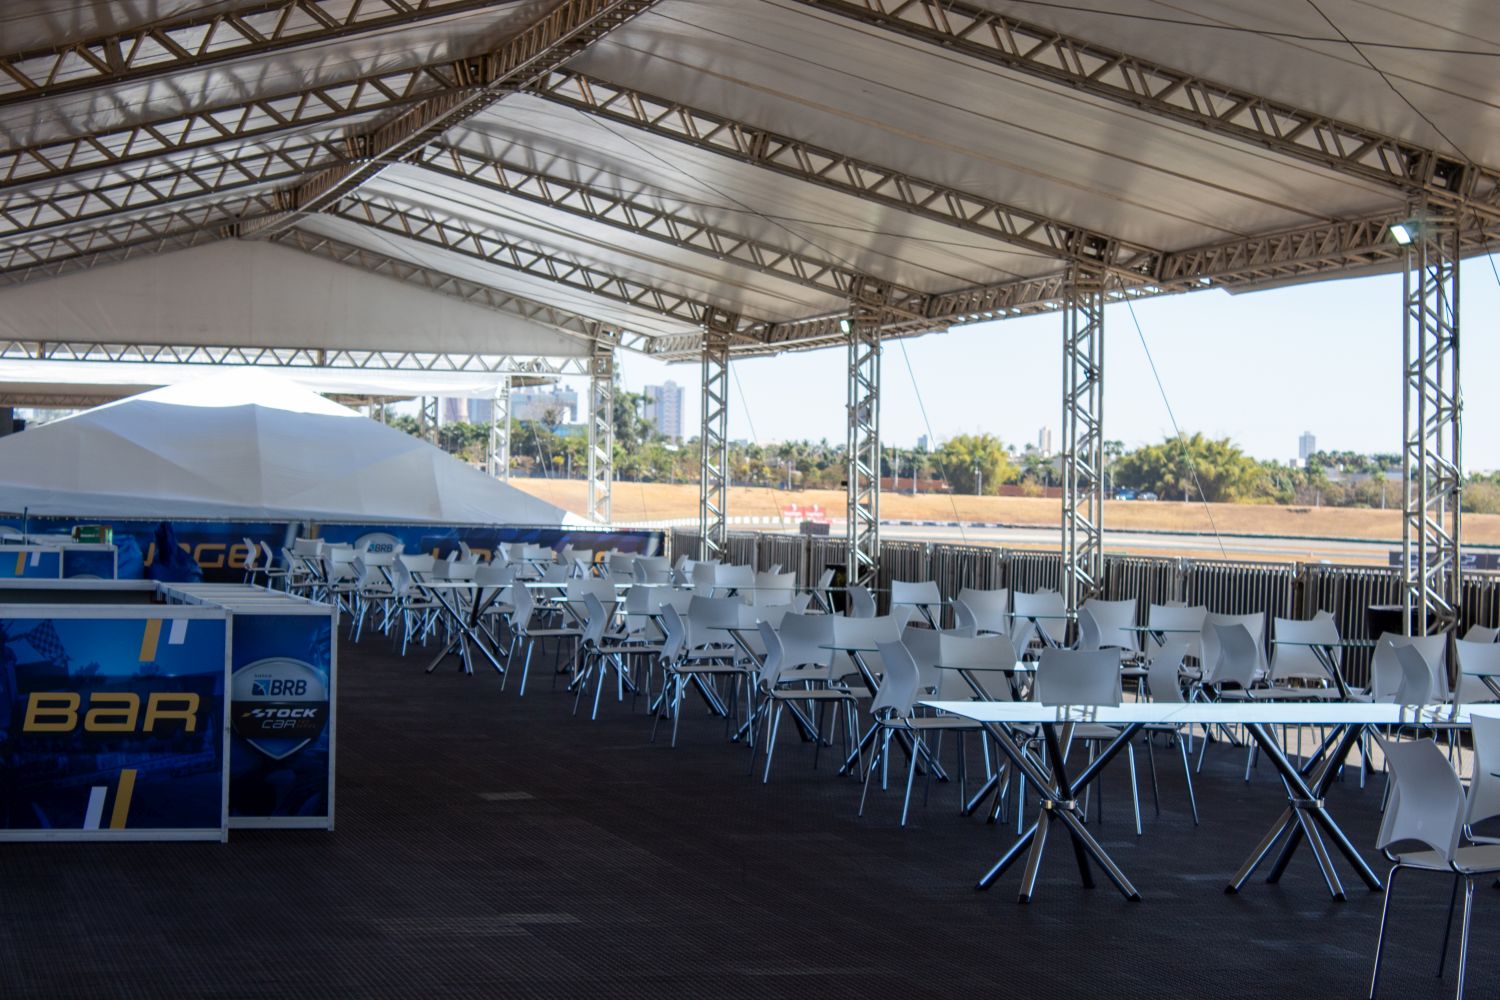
<point x="1306" y="445"/>
<point x="922" y="443"/>
<point x="481" y="410"/>
<point x="451" y="410"/>
<point x="555" y="405"/>
<point x="1044" y="441"/>
<point x="663" y="409"/>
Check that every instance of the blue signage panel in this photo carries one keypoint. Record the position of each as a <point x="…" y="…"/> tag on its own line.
<point x="112" y="723"/>
<point x="33" y="562"/>
<point x="281" y="718"/>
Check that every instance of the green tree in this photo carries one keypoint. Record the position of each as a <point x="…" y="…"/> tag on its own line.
<point x="1179" y="468"/>
<point x="970" y="462"/>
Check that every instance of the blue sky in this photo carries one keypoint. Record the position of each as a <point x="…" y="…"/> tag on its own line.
<point x="1259" y="368"/>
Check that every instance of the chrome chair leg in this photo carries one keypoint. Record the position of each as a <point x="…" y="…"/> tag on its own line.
<point x="1385" y="912"/>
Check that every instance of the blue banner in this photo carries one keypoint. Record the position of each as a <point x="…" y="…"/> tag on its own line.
<point x="281" y="719"/>
<point x="112" y="723"/>
<point x="32" y="562"/>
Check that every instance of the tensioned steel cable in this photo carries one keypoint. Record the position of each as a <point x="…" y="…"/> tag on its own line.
<point x="1192" y="465"/>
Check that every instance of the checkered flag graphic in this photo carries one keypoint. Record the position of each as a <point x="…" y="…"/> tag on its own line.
<point x="45" y="640"/>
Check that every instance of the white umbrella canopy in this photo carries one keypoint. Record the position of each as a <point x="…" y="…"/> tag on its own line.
<point x="246" y="444"/>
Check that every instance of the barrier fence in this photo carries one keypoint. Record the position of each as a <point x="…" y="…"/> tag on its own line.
<point x="1280" y="590"/>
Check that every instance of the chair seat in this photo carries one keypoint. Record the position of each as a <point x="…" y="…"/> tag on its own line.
<point x="930" y="722"/>
<point x="1095" y="731"/>
<point x="810" y="694"/>
<point x="1480" y="859"/>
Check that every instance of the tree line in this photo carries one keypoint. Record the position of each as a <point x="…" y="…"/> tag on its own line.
<point x="1192" y="467"/>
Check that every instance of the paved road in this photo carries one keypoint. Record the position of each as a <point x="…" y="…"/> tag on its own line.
<point x="1305" y="550"/>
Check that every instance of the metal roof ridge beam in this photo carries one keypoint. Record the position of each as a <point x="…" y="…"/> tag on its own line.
<point x="828" y="168"/>
<point x="161" y="47"/>
<point x="665" y="225"/>
<point x="425" y="226"/>
<point x="547" y="42"/>
<point x="1001" y="40"/>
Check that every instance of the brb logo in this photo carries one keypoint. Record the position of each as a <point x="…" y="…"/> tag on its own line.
<point x="280" y="705"/>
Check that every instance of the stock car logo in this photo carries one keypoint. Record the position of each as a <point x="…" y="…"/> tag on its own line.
<point x="280" y="705"/>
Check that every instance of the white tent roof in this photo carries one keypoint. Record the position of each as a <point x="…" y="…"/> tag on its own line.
<point x="245" y="444"/>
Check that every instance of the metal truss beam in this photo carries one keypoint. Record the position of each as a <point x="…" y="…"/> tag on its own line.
<point x="433" y="280"/>
<point x="601" y="433"/>
<point x="713" y="437"/>
<point x="171" y="46"/>
<point x="1432" y="426"/>
<point x="825" y="167"/>
<point x="1083" y="437"/>
<point x="51" y="255"/>
<point x="494" y="247"/>
<point x="648" y="216"/>
<point x="428" y="424"/>
<point x="497" y="456"/>
<point x="553" y="38"/>
<point x="862" y="454"/>
<point x="289" y="357"/>
<point x="1180" y="96"/>
<point x="212" y="173"/>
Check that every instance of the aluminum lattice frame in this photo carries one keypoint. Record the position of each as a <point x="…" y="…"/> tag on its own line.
<point x="427" y="419"/>
<point x="1432" y="425"/>
<point x="713" y="437"/>
<point x="601" y="433"/>
<point x="867" y="314"/>
<point x="497" y="455"/>
<point x="1083" y="437"/>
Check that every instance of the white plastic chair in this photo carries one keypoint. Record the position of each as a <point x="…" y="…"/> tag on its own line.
<point x="922" y="596"/>
<point x="1477" y="660"/>
<point x="988" y="609"/>
<point x="1427" y="807"/>
<point x="1086" y="677"/>
<point x="1298" y="663"/>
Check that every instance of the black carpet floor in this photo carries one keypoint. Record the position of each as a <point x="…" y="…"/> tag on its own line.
<point x="490" y="846"/>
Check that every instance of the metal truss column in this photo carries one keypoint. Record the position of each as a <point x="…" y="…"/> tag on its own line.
<point x="867" y="313"/>
<point x="1083" y="436"/>
<point x="713" y="436"/>
<point x="601" y="432"/>
<point x="427" y="419"/>
<point x="1431" y="425"/>
<point x="498" y="453"/>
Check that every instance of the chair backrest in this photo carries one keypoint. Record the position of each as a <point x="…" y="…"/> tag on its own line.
<point x="708" y="616"/>
<point x="773" y="662"/>
<point x="252" y="555"/>
<point x="773" y="613"/>
<point x="803" y="638"/>
<point x="270" y="556"/>
<point x="902" y="684"/>
<point x="1426" y="804"/>
<point x="454" y="569"/>
<point x="620" y="564"/>
<point x="674" y="631"/>
<point x="1476" y="633"/>
<point x="420" y="564"/>
<point x="774" y="588"/>
<point x="1164" y="674"/>
<point x="581" y="562"/>
<point x="1077" y="677"/>
<point x="494" y="575"/>
<point x="990" y="608"/>
<point x="1434" y="650"/>
<point x="1090" y="636"/>
<point x="922" y="644"/>
<point x="1174" y="616"/>
<point x="1416" y="677"/>
<point x="860" y="602"/>
<point x="595" y="620"/>
<point x="738" y="578"/>
<point x="957" y="651"/>
<point x="918" y="595"/>
<point x="1484" y="787"/>
<point x="701" y="575"/>
<point x="1230" y="656"/>
<point x="1113" y="618"/>
<point x="679" y="599"/>
<point x="1290" y="661"/>
<point x="1477" y="659"/>
<point x="308" y="547"/>
<point x="579" y="590"/>
<point x="866" y="632"/>
<point x="1047" y="605"/>
<point x="1254" y="624"/>
<point x="649" y="570"/>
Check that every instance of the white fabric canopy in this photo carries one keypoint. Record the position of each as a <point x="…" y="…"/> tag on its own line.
<point x="245" y="444"/>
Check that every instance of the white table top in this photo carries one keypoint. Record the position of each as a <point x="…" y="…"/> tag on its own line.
<point x="1221" y="713"/>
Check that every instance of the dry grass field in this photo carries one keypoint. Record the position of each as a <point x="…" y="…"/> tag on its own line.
<point x="658" y="501"/>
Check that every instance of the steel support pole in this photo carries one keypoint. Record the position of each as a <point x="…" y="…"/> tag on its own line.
<point x="601" y="432"/>
<point x="867" y="312"/>
<point x="1432" y="423"/>
<point x="713" y="436"/>
<point x="1083" y="436"/>
<point x="427" y="419"/>
<point x="498" y="455"/>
